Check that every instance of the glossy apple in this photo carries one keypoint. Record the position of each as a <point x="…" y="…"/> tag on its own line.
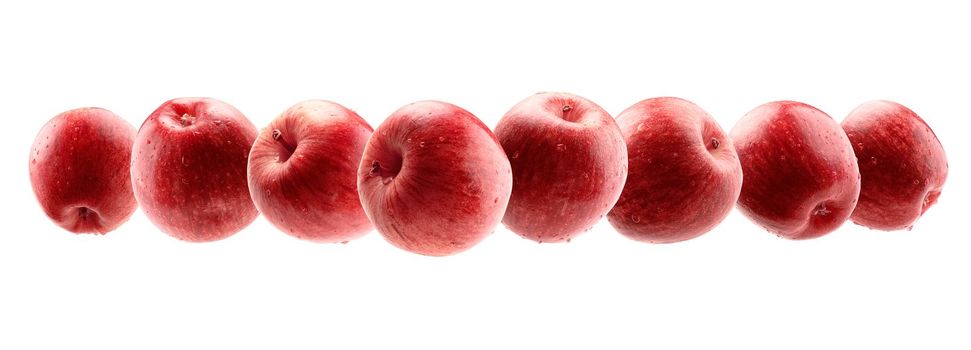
<point x="568" y="162"/>
<point x="902" y="165"/>
<point x="303" y="172"/>
<point x="433" y="179"/>
<point x="189" y="169"/>
<point x="79" y="170"/>
<point x="801" y="177"/>
<point x="684" y="175"/>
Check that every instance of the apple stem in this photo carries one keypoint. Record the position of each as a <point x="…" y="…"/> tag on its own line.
<point x="567" y="108"/>
<point x="278" y="137"/>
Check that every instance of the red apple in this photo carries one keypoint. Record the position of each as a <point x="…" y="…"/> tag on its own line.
<point x="433" y="179"/>
<point x="801" y="178"/>
<point x="79" y="170"/>
<point x="568" y="162"/>
<point x="303" y="172"/>
<point x="684" y="174"/>
<point x="902" y="165"/>
<point x="189" y="169"/>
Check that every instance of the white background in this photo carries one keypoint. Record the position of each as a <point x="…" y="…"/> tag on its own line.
<point x="737" y="286"/>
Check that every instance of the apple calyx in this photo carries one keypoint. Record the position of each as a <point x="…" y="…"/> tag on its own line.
<point x="821" y="210"/>
<point x="715" y="143"/>
<point x="187" y="119"/>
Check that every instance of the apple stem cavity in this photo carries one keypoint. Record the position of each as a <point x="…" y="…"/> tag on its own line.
<point x="386" y="173"/>
<point x="287" y="146"/>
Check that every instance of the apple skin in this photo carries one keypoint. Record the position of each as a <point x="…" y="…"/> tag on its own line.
<point x="79" y="170"/>
<point x="801" y="177"/>
<point x="189" y="169"/>
<point x="303" y="172"/>
<point x="902" y="165"/>
<point x="684" y="178"/>
<point x="434" y="180"/>
<point x="568" y="162"/>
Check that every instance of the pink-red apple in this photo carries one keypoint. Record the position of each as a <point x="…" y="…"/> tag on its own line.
<point x="684" y="175"/>
<point x="568" y="162"/>
<point x="79" y="170"/>
<point x="434" y="179"/>
<point x="189" y="169"/>
<point x="801" y="177"/>
<point x="303" y="172"/>
<point x="902" y="165"/>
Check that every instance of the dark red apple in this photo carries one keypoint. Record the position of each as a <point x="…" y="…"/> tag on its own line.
<point x="801" y="178"/>
<point x="434" y="179"/>
<point x="684" y="175"/>
<point x="303" y="172"/>
<point x="902" y="165"/>
<point x="189" y="169"/>
<point x="79" y="170"/>
<point x="568" y="162"/>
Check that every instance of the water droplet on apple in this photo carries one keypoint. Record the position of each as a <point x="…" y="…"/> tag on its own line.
<point x="267" y="192"/>
<point x="916" y="182"/>
<point x="440" y="138"/>
<point x="782" y="157"/>
<point x="873" y="160"/>
<point x="515" y="155"/>
<point x="560" y="147"/>
<point x="421" y="144"/>
<point x="636" y="219"/>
